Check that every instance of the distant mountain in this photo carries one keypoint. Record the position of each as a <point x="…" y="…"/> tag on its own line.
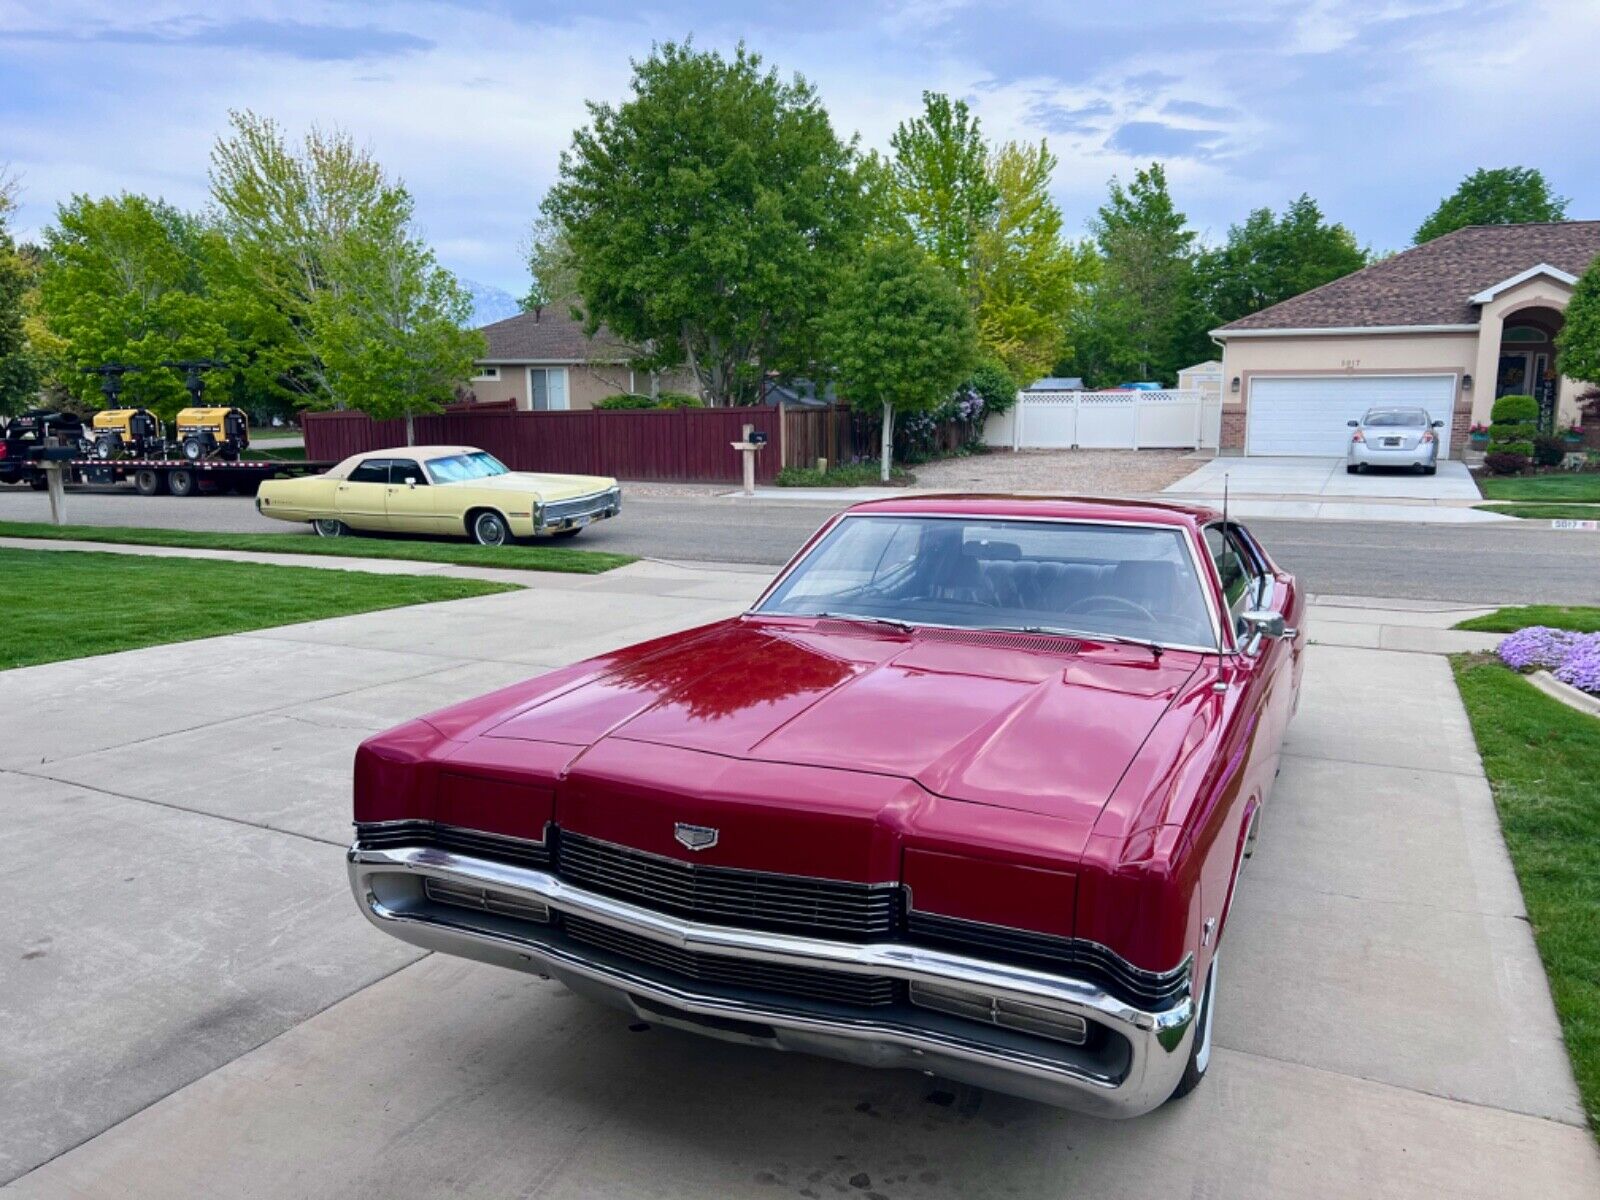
<point x="489" y="303"/>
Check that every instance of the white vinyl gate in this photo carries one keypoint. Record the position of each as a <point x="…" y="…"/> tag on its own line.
<point x="1310" y="414"/>
<point x="1118" y="420"/>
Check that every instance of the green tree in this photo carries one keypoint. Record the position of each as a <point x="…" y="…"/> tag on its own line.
<point x="19" y="374"/>
<point x="899" y="335"/>
<point x="325" y="237"/>
<point x="1142" y="289"/>
<point x="1265" y="260"/>
<point x="1025" y="277"/>
<point x="1497" y="196"/>
<point x="551" y="266"/>
<point x="941" y="183"/>
<point x="1578" y="343"/>
<point x="708" y="213"/>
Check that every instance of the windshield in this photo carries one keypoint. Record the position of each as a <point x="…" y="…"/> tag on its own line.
<point x="1397" y="418"/>
<point x="977" y="573"/>
<point x="458" y="468"/>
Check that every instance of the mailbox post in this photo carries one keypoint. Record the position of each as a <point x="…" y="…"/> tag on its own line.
<point x="753" y="442"/>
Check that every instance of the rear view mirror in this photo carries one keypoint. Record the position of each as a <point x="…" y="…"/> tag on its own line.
<point x="1353" y="424"/>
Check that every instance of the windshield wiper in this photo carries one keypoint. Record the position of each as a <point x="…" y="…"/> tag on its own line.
<point x="902" y="626"/>
<point x="1155" y="648"/>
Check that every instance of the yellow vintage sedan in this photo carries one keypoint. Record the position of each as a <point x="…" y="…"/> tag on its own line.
<point x="451" y="491"/>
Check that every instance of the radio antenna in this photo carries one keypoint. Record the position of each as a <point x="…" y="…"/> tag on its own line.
<point x="1220" y="685"/>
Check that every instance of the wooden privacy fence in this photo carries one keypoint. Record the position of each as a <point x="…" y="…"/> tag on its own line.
<point x="676" y="445"/>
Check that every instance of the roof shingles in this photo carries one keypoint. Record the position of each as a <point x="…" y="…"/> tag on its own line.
<point x="1432" y="284"/>
<point x="550" y="337"/>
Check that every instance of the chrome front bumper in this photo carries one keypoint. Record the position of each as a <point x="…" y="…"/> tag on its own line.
<point x="1135" y="1068"/>
<point x="584" y="510"/>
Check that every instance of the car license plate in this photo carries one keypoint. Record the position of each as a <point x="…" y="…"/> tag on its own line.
<point x="1391" y="441"/>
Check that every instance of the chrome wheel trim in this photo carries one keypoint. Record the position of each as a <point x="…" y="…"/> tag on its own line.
<point x="488" y="529"/>
<point x="328" y="527"/>
<point x="1203" y="1055"/>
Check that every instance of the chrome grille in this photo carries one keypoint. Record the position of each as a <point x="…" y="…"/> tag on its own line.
<point x="390" y="835"/>
<point x="582" y="506"/>
<point x="727" y="895"/>
<point x="860" y="990"/>
<point x="466" y="895"/>
<point x="1082" y="958"/>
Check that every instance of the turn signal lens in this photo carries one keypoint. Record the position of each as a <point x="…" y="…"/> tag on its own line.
<point x="1358" y="436"/>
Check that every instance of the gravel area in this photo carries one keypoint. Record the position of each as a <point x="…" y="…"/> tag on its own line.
<point x="1075" y="472"/>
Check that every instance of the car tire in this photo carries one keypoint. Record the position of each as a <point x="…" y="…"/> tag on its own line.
<point x="568" y="533"/>
<point x="149" y="483"/>
<point x="38" y="482"/>
<point x="489" y="528"/>
<point x="181" y="482"/>
<point x="329" y="527"/>
<point x="1350" y="469"/>
<point x="1434" y="470"/>
<point x="1194" y="1071"/>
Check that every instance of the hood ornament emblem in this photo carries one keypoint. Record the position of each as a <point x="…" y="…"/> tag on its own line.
<point x="694" y="837"/>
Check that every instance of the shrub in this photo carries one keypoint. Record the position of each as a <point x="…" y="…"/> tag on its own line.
<point x="862" y="474"/>
<point x="1505" y="462"/>
<point x="628" y="400"/>
<point x="994" y="383"/>
<point x="1514" y="410"/>
<point x="1548" y="451"/>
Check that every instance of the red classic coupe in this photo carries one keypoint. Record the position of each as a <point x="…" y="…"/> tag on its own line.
<point x="967" y="790"/>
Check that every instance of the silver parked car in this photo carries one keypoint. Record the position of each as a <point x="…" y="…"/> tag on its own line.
<point x="1394" y="437"/>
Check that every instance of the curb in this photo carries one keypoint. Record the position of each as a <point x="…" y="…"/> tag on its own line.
<point x="1570" y="696"/>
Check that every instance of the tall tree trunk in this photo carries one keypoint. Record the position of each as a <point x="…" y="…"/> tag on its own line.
<point x="888" y="439"/>
<point x="411" y="435"/>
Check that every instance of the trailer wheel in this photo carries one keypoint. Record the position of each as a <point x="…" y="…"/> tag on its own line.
<point x="38" y="482"/>
<point x="329" y="528"/>
<point x="193" y="449"/>
<point x="149" y="483"/>
<point x="180" y="481"/>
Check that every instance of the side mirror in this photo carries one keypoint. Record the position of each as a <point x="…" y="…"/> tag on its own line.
<point x="1438" y="424"/>
<point x="412" y="484"/>
<point x="1264" y="622"/>
<point x="1353" y="424"/>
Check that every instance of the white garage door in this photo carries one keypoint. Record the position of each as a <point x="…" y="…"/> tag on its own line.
<point x="1309" y="415"/>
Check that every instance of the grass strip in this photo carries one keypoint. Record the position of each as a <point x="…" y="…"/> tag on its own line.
<point x="1546" y="512"/>
<point x="1543" y="760"/>
<point x="1571" y="486"/>
<point x="1579" y="619"/>
<point x="74" y="604"/>
<point x="519" y="558"/>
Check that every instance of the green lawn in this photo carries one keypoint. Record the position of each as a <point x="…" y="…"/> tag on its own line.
<point x="276" y="453"/>
<point x="1556" y="616"/>
<point x="1547" y="512"/>
<point x="539" y="557"/>
<point x="72" y="604"/>
<point x="1572" y="486"/>
<point x="1543" y="759"/>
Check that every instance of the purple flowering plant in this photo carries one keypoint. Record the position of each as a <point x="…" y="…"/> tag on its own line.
<point x="1574" y="658"/>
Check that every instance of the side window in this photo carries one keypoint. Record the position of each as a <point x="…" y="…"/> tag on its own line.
<point x="374" y="470"/>
<point x="1241" y="580"/>
<point x="404" y="470"/>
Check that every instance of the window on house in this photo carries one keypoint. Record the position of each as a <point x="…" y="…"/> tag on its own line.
<point x="487" y="373"/>
<point x="547" y="388"/>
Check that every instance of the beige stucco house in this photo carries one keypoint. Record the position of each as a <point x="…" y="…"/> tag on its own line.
<point x="1449" y="325"/>
<point x="545" y="361"/>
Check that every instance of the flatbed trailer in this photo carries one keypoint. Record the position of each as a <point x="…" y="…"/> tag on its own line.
<point x="186" y="477"/>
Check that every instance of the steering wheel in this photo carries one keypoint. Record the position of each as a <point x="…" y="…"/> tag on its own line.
<point x="1083" y="605"/>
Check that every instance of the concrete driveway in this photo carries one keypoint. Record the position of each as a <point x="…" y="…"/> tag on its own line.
<point x="1290" y="488"/>
<point x="191" y="1005"/>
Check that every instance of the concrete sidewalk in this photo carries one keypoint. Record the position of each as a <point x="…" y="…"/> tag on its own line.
<point x="191" y="1004"/>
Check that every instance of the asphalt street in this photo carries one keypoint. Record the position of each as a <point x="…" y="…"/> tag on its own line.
<point x="1521" y="563"/>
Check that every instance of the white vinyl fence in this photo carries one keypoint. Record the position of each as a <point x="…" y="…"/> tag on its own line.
<point x="1119" y="420"/>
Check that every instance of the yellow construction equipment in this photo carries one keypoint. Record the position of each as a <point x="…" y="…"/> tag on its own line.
<point x="124" y="432"/>
<point x="212" y="433"/>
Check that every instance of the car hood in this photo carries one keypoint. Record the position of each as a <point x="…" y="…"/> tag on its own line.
<point x="1036" y="724"/>
<point x="550" y="487"/>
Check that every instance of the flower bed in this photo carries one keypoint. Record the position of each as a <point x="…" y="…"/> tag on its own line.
<point x="1573" y="658"/>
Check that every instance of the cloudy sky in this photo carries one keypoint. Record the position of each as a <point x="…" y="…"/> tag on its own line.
<point x="1376" y="107"/>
